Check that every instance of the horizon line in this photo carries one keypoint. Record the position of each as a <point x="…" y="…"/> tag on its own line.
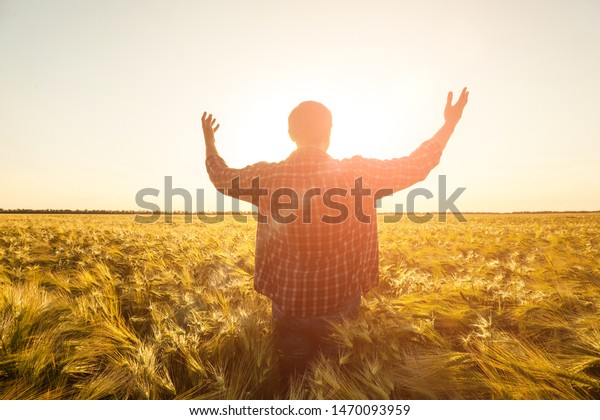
<point x="105" y="211"/>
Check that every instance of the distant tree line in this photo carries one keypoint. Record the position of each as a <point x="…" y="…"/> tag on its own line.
<point x="86" y="211"/>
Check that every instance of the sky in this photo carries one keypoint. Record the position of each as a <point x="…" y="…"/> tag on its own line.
<point x="101" y="99"/>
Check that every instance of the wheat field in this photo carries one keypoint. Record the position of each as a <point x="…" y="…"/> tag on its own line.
<point x="98" y="306"/>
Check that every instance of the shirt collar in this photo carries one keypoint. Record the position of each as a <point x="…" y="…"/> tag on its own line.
<point x="309" y="152"/>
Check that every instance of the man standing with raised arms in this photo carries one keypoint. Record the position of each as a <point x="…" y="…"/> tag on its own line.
<point x="316" y="241"/>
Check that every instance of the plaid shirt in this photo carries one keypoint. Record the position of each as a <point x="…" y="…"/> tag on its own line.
<point x="309" y="258"/>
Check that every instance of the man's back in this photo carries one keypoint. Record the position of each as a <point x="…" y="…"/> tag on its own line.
<point x="312" y="253"/>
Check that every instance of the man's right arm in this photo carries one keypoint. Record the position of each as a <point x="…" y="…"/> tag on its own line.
<point x="393" y="175"/>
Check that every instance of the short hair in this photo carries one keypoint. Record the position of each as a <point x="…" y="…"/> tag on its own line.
<point x="310" y="123"/>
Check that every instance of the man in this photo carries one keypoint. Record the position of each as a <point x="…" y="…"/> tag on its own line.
<point x="316" y="241"/>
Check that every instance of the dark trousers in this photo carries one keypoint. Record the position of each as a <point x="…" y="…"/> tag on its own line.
<point x="298" y="340"/>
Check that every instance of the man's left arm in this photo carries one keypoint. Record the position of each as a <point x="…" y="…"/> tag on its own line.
<point x="244" y="183"/>
<point x="209" y="129"/>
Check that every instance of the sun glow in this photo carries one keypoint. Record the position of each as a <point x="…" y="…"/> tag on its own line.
<point x="360" y="127"/>
<point x="358" y="130"/>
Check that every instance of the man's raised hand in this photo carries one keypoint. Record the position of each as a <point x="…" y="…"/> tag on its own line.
<point x="209" y="128"/>
<point x="452" y="113"/>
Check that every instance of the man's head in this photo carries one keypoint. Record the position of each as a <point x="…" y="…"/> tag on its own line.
<point x="309" y="125"/>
